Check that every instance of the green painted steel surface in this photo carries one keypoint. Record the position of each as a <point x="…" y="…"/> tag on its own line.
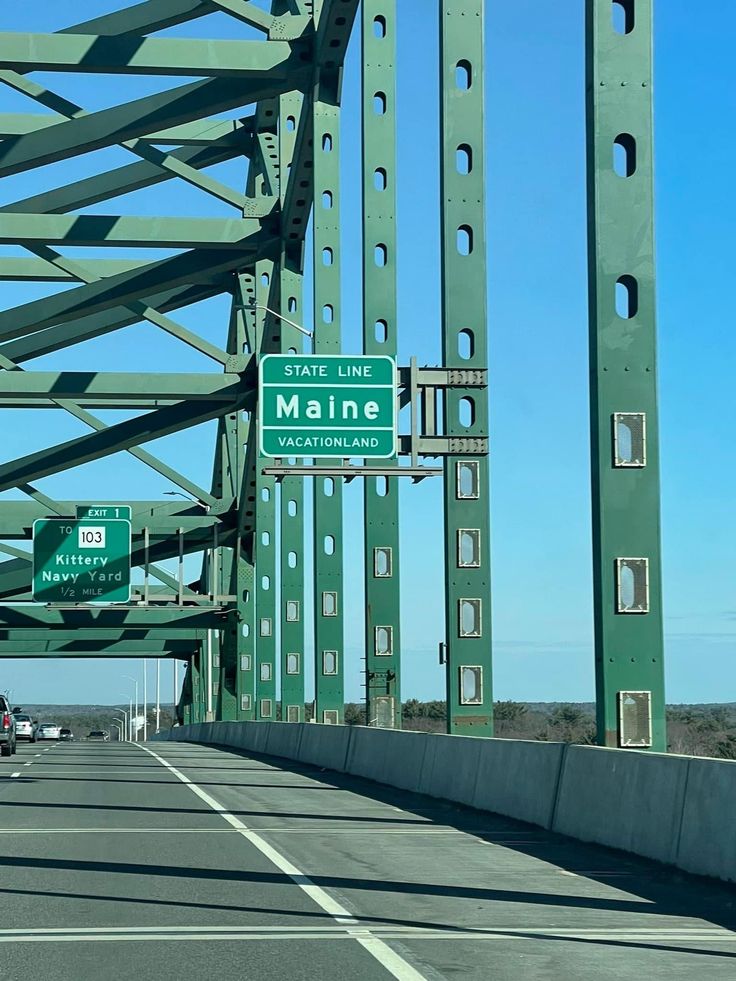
<point x="81" y="561"/>
<point x="291" y="490"/>
<point x="626" y="524"/>
<point x="464" y="345"/>
<point x="248" y="527"/>
<point x="327" y="406"/>
<point x="381" y="501"/>
<point x="327" y="491"/>
<point x="266" y="607"/>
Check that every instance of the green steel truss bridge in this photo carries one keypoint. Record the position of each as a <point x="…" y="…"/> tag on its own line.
<point x="274" y="104"/>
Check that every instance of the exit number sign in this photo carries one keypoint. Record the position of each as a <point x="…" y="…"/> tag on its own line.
<point x="327" y="406"/>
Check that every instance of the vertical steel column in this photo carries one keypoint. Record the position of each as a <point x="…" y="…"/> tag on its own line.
<point x="624" y="427"/>
<point x="186" y="699"/>
<point x="264" y="545"/>
<point x="381" y="506"/>
<point x="241" y="620"/>
<point x="232" y="435"/>
<point x="464" y="343"/>
<point x="244" y="625"/>
<point x="292" y="488"/>
<point x="195" y="671"/>
<point x="328" y="492"/>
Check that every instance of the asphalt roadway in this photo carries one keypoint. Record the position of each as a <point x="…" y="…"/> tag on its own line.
<point x="174" y="860"/>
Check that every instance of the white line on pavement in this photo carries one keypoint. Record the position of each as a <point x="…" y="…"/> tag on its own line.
<point x="210" y="831"/>
<point x="385" y="955"/>
<point x="178" y="934"/>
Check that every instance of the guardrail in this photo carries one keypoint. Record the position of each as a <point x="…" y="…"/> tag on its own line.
<point x="675" y="809"/>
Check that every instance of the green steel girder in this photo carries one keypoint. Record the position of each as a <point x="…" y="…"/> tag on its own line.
<point x="264" y="545"/>
<point x="163" y="518"/>
<point x="229" y="640"/>
<point x="108" y="294"/>
<point x="246" y="60"/>
<point x="623" y="360"/>
<point x="329" y="641"/>
<point x="292" y="143"/>
<point x="82" y="328"/>
<point x="330" y="46"/>
<point x="108" y="618"/>
<point x="143" y="18"/>
<point x="70" y="637"/>
<point x="95" y="446"/>
<point x="107" y="127"/>
<point x="35" y="387"/>
<point x="463" y="252"/>
<point x="243" y="234"/>
<point x="291" y="490"/>
<point x="132" y="177"/>
<point x="240" y="632"/>
<point x="89" y="646"/>
<point x="167" y="164"/>
<point x="205" y="133"/>
<point x="156" y="15"/>
<point x="381" y="496"/>
<point x="14" y="269"/>
<point x="285" y="28"/>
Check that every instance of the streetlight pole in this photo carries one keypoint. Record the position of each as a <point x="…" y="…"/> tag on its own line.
<point x="128" y="716"/>
<point x="125" y="720"/>
<point x="134" y="724"/>
<point x="209" y="715"/>
<point x="158" y="693"/>
<point x="145" y="699"/>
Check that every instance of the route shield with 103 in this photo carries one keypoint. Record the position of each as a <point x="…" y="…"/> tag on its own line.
<point x="83" y="561"/>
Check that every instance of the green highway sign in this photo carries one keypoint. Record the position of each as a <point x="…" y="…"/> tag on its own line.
<point x="327" y="406"/>
<point x="105" y="511"/>
<point x="83" y="561"/>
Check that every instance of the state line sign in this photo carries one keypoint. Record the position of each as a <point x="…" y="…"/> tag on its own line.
<point x="327" y="406"/>
<point x="82" y="561"/>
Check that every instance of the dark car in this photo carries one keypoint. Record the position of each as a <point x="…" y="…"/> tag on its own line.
<point x="67" y="735"/>
<point x="7" y="728"/>
<point x="99" y="735"/>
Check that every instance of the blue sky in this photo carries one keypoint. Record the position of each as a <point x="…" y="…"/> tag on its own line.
<point x="537" y="334"/>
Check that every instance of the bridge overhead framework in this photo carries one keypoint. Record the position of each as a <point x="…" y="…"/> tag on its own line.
<point x="273" y="102"/>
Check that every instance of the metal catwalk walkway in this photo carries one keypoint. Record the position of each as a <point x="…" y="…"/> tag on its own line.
<point x="175" y="860"/>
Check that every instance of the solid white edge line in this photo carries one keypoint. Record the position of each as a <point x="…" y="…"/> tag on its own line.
<point x="164" y="934"/>
<point x="385" y="955"/>
<point x="520" y="932"/>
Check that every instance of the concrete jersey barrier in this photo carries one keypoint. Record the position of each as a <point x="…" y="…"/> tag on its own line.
<point x="674" y="809"/>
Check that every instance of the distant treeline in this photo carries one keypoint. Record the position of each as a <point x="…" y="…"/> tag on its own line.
<point x="695" y="730"/>
<point x="81" y="719"/>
